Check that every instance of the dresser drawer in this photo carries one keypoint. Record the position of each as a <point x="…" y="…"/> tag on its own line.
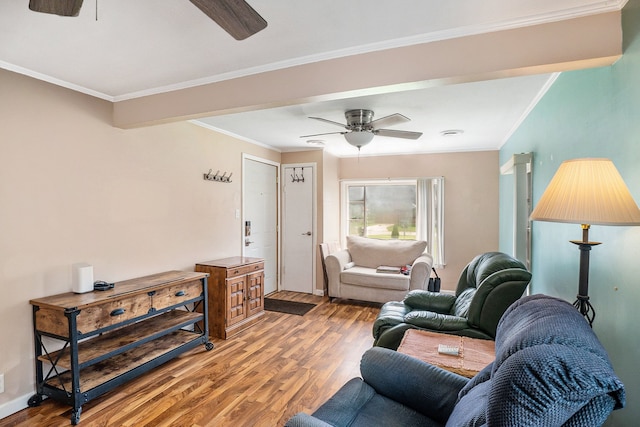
<point x="52" y="322"/>
<point x="172" y="295"/>
<point x="245" y="269"/>
<point x="112" y="312"/>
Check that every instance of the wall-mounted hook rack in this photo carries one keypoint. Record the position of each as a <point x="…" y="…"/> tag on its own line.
<point x="217" y="177"/>
<point x="297" y="178"/>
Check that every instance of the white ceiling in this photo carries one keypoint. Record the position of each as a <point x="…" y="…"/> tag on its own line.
<point x="487" y="112"/>
<point x="141" y="47"/>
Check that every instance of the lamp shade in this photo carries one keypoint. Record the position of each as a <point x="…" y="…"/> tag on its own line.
<point x="358" y="138"/>
<point x="587" y="191"/>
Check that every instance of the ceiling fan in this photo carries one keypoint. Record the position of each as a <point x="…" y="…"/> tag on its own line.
<point x="360" y="128"/>
<point x="236" y="17"/>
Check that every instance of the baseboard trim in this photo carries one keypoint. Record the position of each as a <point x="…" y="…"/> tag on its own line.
<point x="15" y="405"/>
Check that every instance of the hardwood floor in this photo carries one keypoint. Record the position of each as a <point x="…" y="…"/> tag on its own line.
<point x="261" y="377"/>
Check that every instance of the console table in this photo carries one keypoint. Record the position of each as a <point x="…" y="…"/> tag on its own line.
<point x="109" y="337"/>
<point x="474" y="354"/>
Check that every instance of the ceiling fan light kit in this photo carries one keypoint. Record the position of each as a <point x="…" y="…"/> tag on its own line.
<point x="361" y="128"/>
<point x="358" y="138"/>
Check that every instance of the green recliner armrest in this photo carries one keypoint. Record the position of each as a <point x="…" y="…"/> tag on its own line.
<point x="436" y="321"/>
<point x="391" y="337"/>
<point x="391" y="314"/>
<point x="431" y="301"/>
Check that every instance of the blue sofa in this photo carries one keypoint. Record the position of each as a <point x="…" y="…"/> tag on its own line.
<point x="550" y="370"/>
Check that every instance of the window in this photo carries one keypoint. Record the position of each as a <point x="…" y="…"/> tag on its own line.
<point x="407" y="209"/>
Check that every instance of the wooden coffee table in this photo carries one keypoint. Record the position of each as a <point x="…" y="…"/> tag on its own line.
<point x="474" y="354"/>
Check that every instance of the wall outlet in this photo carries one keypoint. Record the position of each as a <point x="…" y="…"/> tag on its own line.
<point x="1" y="383"/>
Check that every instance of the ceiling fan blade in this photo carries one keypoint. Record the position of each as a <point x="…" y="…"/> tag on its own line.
<point x="392" y="120"/>
<point x="342" y="125"/>
<point x="57" y="7"/>
<point x="320" y="134"/>
<point x="236" y="17"/>
<point x="398" y="133"/>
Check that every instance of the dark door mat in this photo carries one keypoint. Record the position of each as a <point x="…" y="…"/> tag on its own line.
<point x="289" y="307"/>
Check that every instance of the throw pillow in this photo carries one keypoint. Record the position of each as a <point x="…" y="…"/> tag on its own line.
<point x="373" y="253"/>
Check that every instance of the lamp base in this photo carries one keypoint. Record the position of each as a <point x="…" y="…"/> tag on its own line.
<point x="582" y="302"/>
<point x="585" y="308"/>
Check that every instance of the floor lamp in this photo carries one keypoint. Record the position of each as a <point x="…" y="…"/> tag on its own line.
<point x="587" y="192"/>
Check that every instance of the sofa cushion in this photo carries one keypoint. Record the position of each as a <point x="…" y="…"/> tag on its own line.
<point x="373" y="253"/>
<point x="357" y="404"/>
<point x="435" y="321"/>
<point x="471" y="411"/>
<point x="548" y="370"/>
<point x="367" y="277"/>
<point x="549" y="366"/>
<point x="420" y="299"/>
<point x="547" y="382"/>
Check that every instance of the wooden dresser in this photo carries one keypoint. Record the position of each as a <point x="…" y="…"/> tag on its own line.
<point x="236" y="294"/>
<point x="109" y="337"/>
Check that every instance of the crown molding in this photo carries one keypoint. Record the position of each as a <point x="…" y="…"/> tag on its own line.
<point x="233" y="135"/>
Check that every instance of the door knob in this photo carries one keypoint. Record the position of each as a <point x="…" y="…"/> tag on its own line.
<point x="308" y="233"/>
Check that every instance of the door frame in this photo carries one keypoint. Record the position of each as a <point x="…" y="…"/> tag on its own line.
<point x="245" y="157"/>
<point x="314" y="215"/>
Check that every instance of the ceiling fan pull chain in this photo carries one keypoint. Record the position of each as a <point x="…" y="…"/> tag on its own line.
<point x="96" y="10"/>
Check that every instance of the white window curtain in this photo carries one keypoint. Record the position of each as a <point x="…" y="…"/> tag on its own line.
<point x="430" y="225"/>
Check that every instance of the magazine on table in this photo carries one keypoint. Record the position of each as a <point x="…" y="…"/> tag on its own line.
<point x="388" y="269"/>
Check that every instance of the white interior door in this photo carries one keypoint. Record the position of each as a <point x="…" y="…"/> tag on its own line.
<point x="298" y="228"/>
<point x="260" y="216"/>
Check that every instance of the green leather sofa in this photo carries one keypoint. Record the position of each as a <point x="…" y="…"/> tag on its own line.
<point x="488" y="285"/>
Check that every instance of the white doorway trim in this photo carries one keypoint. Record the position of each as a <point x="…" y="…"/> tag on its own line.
<point x="246" y="156"/>
<point x="314" y="222"/>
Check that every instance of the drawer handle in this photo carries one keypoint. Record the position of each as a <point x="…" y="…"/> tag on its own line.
<point x="236" y="272"/>
<point x="180" y="293"/>
<point x="117" y="312"/>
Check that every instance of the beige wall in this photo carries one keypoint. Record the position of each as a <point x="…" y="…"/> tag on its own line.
<point x="73" y="188"/>
<point x="331" y="198"/>
<point x="470" y="193"/>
